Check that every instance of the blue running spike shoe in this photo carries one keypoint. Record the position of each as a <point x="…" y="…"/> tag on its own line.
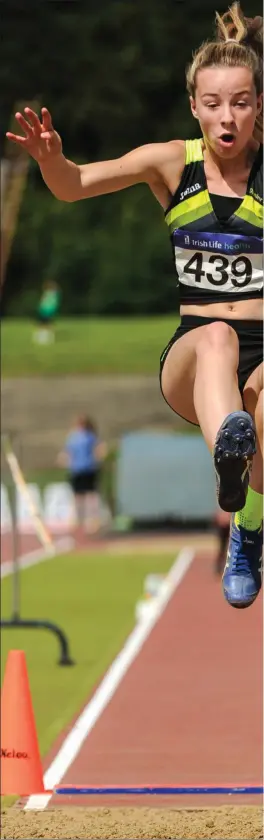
<point x="242" y="576"/>
<point x="233" y="453"/>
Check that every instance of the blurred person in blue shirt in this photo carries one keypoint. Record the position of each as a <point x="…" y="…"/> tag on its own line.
<point x="83" y="454"/>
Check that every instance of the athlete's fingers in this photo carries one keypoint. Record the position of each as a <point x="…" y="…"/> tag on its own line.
<point x="27" y="128"/>
<point x="46" y="135"/>
<point x="34" y="120"/>
<point x="16" y="138"/>
<point x="46" y="120"/>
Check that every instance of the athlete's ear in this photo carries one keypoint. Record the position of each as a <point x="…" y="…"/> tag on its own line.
<point x="193" y="108"/>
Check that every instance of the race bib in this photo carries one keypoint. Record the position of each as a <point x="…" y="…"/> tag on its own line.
<point x="218" y="260"/>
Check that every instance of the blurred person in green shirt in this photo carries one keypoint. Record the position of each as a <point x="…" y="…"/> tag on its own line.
<point x="47" y="310"/>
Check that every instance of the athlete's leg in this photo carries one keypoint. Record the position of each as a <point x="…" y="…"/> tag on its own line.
<point x="199" y="381"/>
<point x="216" y="391"/>
<point x="242" y="575"/>
<point x="253" y="402"/>
<point x="234" y="434"/>
<point x="222" y="526"/>
<point x="199" y="378"/>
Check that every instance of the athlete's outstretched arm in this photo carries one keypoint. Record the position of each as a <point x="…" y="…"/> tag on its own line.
<point x="69" y="181"/>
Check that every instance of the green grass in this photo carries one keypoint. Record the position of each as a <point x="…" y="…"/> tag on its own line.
<point x="87" y="346"/>
<point x="92" y="597"/>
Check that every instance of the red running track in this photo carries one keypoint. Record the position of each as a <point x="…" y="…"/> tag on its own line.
<point x="25" y="544"/>
<point x="189" y="710"/>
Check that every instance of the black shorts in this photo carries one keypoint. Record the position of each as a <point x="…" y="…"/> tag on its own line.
<point x="250" y="337"/>
<point x="84" y="482"/>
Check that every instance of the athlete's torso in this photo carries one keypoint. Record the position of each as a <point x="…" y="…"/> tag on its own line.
<point x="218" y="257"/>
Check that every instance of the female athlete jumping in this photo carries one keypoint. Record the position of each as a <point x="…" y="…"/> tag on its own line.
<point x="211" y="192"/>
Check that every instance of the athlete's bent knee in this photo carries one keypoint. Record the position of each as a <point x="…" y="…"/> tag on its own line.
<point x="217" y="336"/>
<point x="260" y="411"/>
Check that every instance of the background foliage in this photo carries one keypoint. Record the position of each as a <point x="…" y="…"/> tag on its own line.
<point x="113" y="75"/>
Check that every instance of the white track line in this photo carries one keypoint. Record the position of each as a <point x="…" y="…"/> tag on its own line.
<point x="94" y="708"/>
<point x="38" y="555"/>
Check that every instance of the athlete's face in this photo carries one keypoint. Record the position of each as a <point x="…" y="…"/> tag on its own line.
<point x="226" y="105"/>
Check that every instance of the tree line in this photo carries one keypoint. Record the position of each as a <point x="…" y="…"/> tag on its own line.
<point x="112" y="74"/>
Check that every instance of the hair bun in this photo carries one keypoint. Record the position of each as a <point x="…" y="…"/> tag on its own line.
<point x="254" y="33"/>
<point x="233" y="25"/>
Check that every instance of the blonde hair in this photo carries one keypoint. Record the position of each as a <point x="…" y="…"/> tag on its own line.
<point x="238" y="43"/>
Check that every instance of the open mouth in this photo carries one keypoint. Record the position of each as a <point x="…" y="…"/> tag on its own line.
<point x="227" y="138"/>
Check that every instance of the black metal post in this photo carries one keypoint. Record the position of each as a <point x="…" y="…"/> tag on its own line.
<point x="39" y="624"/>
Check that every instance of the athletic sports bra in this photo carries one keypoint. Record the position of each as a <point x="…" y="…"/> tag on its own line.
<point x="224" y="206"/>
<point x="217" y="241"/>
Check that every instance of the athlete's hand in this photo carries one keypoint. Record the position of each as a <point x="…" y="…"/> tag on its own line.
<point x="40" y="139"/>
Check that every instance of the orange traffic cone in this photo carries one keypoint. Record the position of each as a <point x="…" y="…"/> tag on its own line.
<point x="21" y="771"/>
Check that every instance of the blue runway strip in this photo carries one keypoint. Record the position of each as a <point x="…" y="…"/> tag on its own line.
<point x="155" y="791"/>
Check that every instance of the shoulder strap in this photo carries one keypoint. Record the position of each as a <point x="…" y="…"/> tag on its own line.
<point x="193" y="151"/>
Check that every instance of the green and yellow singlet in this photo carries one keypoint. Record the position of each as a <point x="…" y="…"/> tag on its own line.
<point x="216" y="260"/>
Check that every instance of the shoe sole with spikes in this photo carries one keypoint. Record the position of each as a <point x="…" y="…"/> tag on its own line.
<point x="233" y="453"/>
